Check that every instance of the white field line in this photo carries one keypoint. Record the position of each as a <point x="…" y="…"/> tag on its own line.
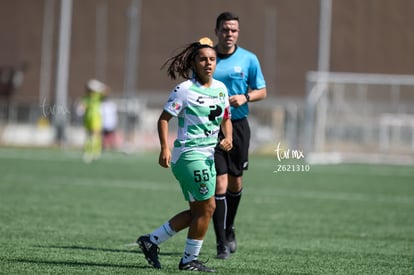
<point x="173" y="185"/>
<point x="41" y="155"/>
<point x="103" y="183"/>
<point x="261" y="194"/>
<point x="119" y="183"/>
<point x="336" y="196"/>
<point x="63" y="156"/>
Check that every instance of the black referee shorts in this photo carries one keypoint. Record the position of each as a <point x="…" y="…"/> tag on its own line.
<point x="237" y="159"/>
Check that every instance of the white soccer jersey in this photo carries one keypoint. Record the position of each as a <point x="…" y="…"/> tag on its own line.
<point x="200" y="111"/>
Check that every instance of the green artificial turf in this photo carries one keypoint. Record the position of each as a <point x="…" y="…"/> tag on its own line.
<point x="61" y="216"/>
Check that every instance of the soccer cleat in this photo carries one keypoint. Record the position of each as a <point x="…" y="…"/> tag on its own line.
<point x="231" y="240"/>
<point x="223" y="251"/>
<point x="150" y="250"/>
<point x="195" y="265"/>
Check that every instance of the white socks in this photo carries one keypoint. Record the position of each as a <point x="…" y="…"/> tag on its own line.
<point x="192" y="249"/>
<point x="164" y="232"/>
<point x="161" y="234"/>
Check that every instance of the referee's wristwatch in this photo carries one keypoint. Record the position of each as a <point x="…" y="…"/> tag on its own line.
<point x="247" y="97"/>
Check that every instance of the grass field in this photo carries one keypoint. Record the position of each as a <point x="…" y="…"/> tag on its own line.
<point x="61" y="216"/>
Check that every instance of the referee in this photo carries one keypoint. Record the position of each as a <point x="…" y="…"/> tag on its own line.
<point x="239" y="69"/>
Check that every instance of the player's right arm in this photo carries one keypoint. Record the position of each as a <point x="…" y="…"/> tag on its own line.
<point x="165" y="153"/>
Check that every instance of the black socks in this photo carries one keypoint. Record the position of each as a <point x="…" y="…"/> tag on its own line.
<point x="219" y="218"/>
<point x="233" y="200"/>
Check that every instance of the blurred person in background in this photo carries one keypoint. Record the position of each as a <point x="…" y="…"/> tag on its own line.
<point x="240" y="71"/>
<point x="201" y="105"/>
<point x="90" y="108"/>
<point x="109" y="123"/>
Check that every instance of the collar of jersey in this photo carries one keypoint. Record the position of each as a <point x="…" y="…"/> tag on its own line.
<point x="226" y="55"/>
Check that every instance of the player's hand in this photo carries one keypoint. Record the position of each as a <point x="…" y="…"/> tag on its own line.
<point x="165" y="158"/>
<point x="237" y="100"/>
<point x="226" y="144"/>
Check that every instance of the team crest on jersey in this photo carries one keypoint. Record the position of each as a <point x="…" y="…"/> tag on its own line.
<point x="203" y="189"/>
<point x="222" y="97"/>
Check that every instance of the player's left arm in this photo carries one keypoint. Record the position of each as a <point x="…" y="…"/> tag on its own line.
<point x="227" y="142"/>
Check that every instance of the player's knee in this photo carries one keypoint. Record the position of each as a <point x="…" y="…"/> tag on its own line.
<point x="221" y="184"/>
<point x="235" y="184"/>
<point x="210" y="207"/>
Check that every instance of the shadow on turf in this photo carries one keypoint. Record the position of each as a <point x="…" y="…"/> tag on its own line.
<point x="76" y="247"/>
<point x="74" y="263"/>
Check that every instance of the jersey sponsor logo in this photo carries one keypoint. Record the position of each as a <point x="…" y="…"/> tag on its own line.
<point x="210" y="132"/>
<point x="200" y="100"/>
<point x="215" y="111"/>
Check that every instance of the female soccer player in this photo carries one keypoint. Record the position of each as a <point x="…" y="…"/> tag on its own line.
<point x="92" y="118"/>
<point x="201" y="105"/>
